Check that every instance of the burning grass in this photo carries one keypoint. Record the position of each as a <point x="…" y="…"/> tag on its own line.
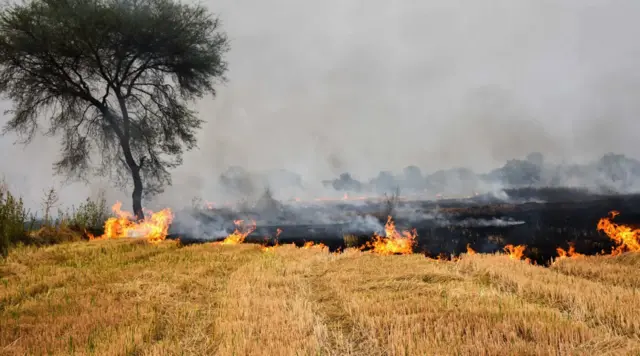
<point x="154" y="227"/>
<point x="240" y="233"/>
<point x="571" y="253"/>
<point x="516" y="252"/>
<point x="128" y="296"/>
<point x="393" y="242"/>
<point x="626" y="237"/>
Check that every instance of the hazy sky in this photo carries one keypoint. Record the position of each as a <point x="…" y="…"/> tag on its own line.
<point x="322" y="87"/>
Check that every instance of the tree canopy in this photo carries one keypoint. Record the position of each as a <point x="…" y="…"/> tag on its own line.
<point x="114" y="79"/>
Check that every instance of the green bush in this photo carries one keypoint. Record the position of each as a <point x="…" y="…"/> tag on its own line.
<point x="13" y="218"/>
<point x="80" y="223"/>
<point x="90" y="215"/>
<point x="18" y="226"/>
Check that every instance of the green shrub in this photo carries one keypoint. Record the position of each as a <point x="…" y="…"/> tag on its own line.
<point x="13" y="218"/>
<point x="81" y="222"/>
<point x="90" y="215"/>
<point x="19" y="226"/>
<point x="49" y="202"/>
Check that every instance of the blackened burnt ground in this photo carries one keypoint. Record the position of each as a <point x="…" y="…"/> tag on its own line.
<point x="566" y="217"/>
<point x="547" y="226"/>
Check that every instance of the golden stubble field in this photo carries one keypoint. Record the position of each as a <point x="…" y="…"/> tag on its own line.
<point x="129" y="297"/>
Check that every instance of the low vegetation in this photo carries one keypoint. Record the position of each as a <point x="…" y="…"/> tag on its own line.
<point x="126" y="297"/>
<point x="18" y="226"/>
<point x="12" y="220"/>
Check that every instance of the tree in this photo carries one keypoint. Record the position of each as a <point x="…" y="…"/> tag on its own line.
<point x="347" y="183"/>
<point x="518" y="173"/>
<point x="114" y="78"/>
<point x="413" y="178"/>
<point x="536" y="158"/>
<point x="385" y="182"/>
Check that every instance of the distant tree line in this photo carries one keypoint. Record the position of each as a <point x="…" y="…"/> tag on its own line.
<point x="611" y="173"/>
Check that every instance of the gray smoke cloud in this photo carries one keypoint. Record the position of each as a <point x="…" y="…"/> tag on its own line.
<point x="201" y="222"/>
<point x="326" y="87"/>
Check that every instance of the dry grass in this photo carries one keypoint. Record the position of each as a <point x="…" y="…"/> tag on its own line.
<point x="130" y="298"/>
<point x="619" y="270"/>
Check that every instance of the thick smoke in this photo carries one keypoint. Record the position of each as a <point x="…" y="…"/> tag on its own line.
<point x="369" y="88"/>
<point x="268" y="214"/>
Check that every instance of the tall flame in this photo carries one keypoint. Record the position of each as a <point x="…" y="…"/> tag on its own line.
<point x="277" y="244"/>
<point x="516" y="252"/>
<point x="470" y="251"/>
<point x="394" y="242"/>
<point x="627" y="238"/>
<point x="238" y="236"/>
<point x="154" y="227"/>
<point x="571" y="253"/>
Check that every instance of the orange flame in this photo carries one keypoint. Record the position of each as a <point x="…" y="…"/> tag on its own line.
<point x="269" y="248"/>
<point x="154" y="227"/>
<point x="516" y="252"/>
<point x="309" y="244"/>
<point x="571" y="253"/>
<point x="237" y="236"/>
<point x="393" y="242"/>
<point x="470" y="251"/>
<point x="627" y="238"/>
<point x="89" y="235"/>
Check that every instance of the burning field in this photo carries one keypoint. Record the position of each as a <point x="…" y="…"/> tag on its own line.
<point x="386" y="241"/>
<point x="538" y="232"/>
<point x="138" y="289"/>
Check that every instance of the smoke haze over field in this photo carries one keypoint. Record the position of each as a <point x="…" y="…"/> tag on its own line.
<point x="325" y="87"/>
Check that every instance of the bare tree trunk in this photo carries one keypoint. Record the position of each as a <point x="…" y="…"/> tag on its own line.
<point x="137" y="180"/>
<point x="137" y="194"/>
<point x="133" y="166"/>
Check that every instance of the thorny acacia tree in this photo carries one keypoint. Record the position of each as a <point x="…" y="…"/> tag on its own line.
<point x="114" y="78"/>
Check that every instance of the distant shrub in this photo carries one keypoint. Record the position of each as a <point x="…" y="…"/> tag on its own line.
<point x="19" y="226"/>
<point x="388" y="207"/>
<point x="49" y="202"/>
<point x="13" y="218"/>
<point x="91" y="214"/>
<point x="80" y="222"/>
